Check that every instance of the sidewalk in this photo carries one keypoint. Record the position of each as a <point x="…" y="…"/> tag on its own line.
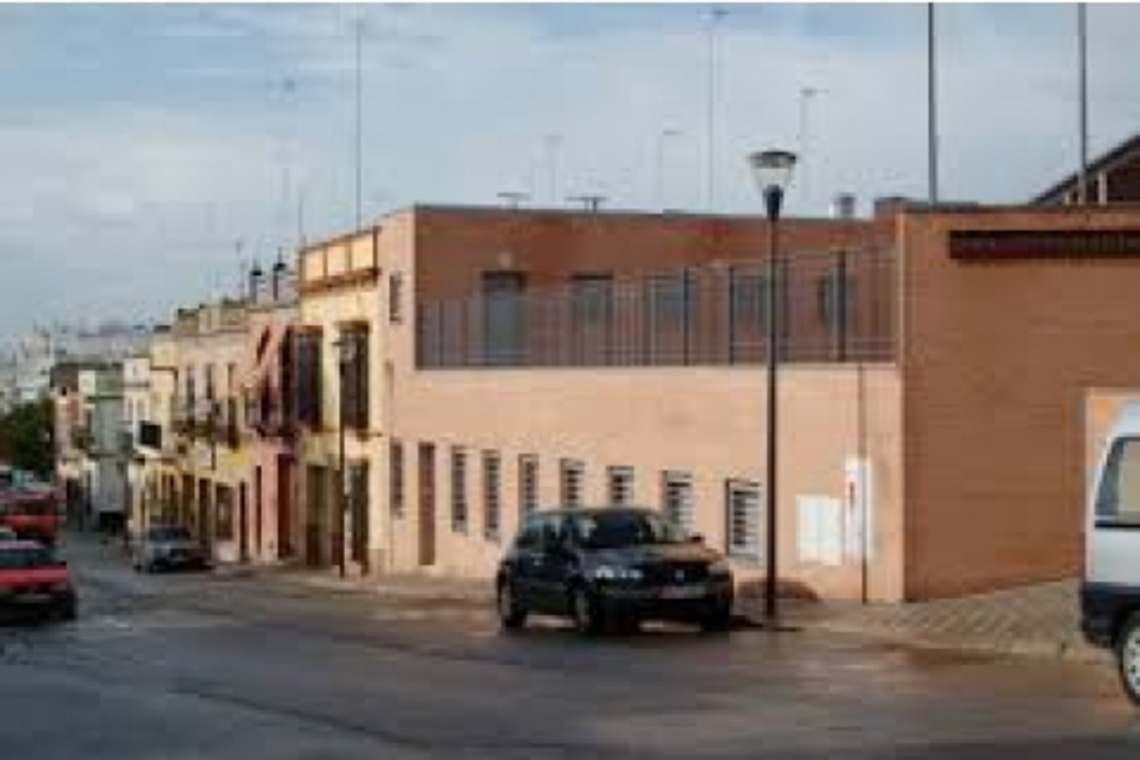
<point x="1041" y="620"/>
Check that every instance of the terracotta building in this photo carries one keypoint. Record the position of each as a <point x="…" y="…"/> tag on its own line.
<point x="935" y="369"/>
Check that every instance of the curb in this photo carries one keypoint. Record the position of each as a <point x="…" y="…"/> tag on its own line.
<point x="1070" y="651"/>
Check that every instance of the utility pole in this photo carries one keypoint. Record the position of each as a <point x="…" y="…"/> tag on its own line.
<point x="1083" y="74"/>
<point x="806" y="95"/>
<point x="662" y="138"/>
<point x="932" y="107"/>
<point x="715" y="16"/>
<point x="358" y="28"/>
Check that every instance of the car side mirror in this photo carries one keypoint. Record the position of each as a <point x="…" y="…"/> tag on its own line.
<point x="696" y="538"/>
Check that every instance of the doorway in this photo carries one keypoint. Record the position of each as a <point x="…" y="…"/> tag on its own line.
<point x="427" y="503"/>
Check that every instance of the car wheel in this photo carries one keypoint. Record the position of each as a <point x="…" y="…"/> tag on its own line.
<point x="584" y="611"/>
<point x="1128" y="657"/>
<point x="68" y="611"/>
<point x="719" y="620"/>
<point x="512" y="615"/>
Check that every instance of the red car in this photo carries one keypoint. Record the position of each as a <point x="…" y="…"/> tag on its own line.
<point x="34" y="579"/>
<point x="33" y="515"/>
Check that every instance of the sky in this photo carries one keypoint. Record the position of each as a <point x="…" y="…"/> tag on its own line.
<point x="149" y="152"/>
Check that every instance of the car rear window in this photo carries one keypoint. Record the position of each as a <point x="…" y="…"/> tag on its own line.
<point x="16" y="558"/>
<point x="169" y="534"/>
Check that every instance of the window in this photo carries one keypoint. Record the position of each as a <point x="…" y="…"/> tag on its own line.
<point x="211" y="388"/>
<point x="591" y="299"/>
<point x="572" y="473"/>
<point x="620" y="486"/>
<point x="504" y="317"/>
<point x="528" y="484"/>
<point x="833" y="293"/>
<point x="673" y="298"/>
<point x="354" y="378"/>
<point x="677" y="499"/>
<point x="396" y="298"/>
<point x="1119" y="496"/>
<point x="458" y="490"/>
<point x="491" y="494"/>
<point x="743" y="519"/>
<point x="396" y="478"/>
<point x="224" y="527"/>
<point x="749" y="300"/>
<point x="530" y="537"/>
<point x="309" y="378"/>
<point x="358" y="510"/>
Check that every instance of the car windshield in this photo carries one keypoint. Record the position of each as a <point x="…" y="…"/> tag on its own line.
<point x="169" y="534"/>
<point x="15" y="558"/>
<point x="613" y="530"/>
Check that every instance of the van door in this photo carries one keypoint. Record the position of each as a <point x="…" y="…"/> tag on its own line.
<point x="1114" y="529"/>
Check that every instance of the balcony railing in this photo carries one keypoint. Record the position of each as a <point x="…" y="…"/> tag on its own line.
<point x="834" y="307"/>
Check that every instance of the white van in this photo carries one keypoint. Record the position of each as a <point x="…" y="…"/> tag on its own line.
<point x="1110" y="593"/>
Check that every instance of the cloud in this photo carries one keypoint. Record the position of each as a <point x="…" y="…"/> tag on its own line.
<point x="138" y="174"/>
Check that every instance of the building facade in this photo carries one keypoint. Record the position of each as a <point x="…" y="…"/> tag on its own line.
<point x="271" y="434"/>
<point x="934" y="362"/>
<point x="213" y="467"/>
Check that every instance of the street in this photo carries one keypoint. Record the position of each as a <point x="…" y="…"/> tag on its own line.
<point x="181" y="666"/>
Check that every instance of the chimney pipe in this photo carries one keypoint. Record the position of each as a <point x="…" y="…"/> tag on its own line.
<point x="255" y="275"/>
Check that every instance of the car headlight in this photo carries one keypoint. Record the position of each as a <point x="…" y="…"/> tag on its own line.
<point x="617" y="573"/>
<point x="720" y="568"/>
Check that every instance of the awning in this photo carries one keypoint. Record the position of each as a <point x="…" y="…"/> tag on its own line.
<point x="271" y="343"/>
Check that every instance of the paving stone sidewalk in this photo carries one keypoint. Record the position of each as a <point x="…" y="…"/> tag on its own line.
<point x="1040" y="620"/>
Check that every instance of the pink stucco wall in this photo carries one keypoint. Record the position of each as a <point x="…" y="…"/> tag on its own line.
<point x="706" y="422"/>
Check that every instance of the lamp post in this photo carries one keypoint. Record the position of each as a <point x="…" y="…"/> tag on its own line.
<point x="346" y="349"/>
<point x="772" y="170"/>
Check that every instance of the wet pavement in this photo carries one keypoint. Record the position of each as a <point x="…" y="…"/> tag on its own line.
<point x="189" y="666"/>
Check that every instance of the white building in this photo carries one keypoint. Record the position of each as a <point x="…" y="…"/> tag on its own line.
<point x="106" y="450"/>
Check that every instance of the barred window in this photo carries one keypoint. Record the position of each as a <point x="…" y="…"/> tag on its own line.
<point x="224" y="513"/>
<point x="354" y="379"/>
<point x="677" y="499"/>
<point x="572" y="475"/>
<point x="528" y="484"/>
<point x="832" y="292"/>
<point x="743" y="519"/>
<point x="308" y="378"/>
<point x="396" y="478"/>
<point x="396" y="298"/>
<point x="749" y="299"/>
<point x="620" y="482"/>
<point x="673" y="297"/>
<point x="491" y="496"/>
<point x="458" y="490"/>
<point x="591" y="299"/>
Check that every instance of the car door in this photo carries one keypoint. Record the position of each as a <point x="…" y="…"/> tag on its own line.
<point x="559" y="562"/>
<point x="524" y="561"/>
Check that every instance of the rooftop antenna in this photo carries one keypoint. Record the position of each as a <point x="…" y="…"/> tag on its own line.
<point x="513" y="197"/>
<point x="589" y="202"/>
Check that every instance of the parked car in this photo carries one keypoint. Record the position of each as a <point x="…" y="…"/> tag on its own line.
<point x="32" y="513"/>
<point x="1110" y="591"/>
<point x="169" y="547"/>
<point x="34" y="578"/>
<point x="612" y="565"/>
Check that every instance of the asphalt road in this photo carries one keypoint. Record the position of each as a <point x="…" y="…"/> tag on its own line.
<point x="247" y="668"/>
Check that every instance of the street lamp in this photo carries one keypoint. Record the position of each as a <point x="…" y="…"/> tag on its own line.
<point x="346" y="349"/>
<point x="772" y="170"/>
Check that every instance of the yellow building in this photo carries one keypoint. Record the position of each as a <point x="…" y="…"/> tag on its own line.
<point x="338" y="373"/>
<point x="210" y="344"/>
